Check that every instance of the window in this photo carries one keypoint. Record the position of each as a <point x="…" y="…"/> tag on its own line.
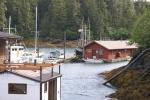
<point x="17" y="88"/>
<point x="112" y="52"/>
<point x="100" y="52"/>
<point x="45" y="87"/>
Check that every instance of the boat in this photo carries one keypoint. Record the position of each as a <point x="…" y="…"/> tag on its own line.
<point x="56" y="54"/>
<point x="18" y="55"/>
<point x="93" y="60"/>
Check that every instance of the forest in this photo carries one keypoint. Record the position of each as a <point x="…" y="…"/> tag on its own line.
<point x="108" y="19"/>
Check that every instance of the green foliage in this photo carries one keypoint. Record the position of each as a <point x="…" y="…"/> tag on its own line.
<point x="120" y="34"/>
<point x="2" y="13"/>
<point x="57" y="16"/>
<point x="141" y="31"/>
<point x="70" y="35"/>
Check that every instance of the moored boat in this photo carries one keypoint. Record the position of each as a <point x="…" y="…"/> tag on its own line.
<point x="93" y="60"/>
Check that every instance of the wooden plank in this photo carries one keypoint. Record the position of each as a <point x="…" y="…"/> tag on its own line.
<point x="22" y="66"/>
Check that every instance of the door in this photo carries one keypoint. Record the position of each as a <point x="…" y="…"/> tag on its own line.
<point x="94" y="54"/>
<point x="52" y="91"/>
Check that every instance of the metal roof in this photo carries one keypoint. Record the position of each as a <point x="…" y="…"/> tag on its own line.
<point x="9" y="36"/>
<point x="111" y="45"/>
<point x="35" y="75"/>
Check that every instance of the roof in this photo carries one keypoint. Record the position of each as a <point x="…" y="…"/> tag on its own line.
<point x="9" y="36"/>
<point x="35" y="75"/>
<point x="111" y="45"/>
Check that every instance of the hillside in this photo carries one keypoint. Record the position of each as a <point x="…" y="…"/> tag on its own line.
<point x="133" y="84"/>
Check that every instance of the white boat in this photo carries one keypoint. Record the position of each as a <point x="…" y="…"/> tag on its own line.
<point x="18" y="55"/>
<point x="93" y="60"/>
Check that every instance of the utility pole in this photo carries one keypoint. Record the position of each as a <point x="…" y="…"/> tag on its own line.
<point x="36" y="31"/>
<point x="64" y="46"/>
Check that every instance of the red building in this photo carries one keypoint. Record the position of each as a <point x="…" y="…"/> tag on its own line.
<point x="108" y="49"/>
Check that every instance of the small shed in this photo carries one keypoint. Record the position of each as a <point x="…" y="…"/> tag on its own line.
<point x="6" y="38"/>
<point x="108" y="49"/>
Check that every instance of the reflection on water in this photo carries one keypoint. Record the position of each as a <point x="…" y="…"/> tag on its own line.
<point x="80" y="81"/>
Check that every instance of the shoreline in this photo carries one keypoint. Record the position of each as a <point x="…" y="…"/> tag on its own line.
<point x="71" y="44"/>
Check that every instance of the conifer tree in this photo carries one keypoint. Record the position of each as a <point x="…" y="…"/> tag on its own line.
<point x="2" y="14"/>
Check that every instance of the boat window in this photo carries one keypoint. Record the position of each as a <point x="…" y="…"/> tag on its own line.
<point x="17" y="88"/>
<point x="45" y="87"/>
<point x="15" y="49"/>
<point x="20" y="48"/>
<point x="12" y="49"/>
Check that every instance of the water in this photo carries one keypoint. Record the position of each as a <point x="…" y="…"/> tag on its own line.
<point x="69" y="51"/>
<point x="81" y="81"/>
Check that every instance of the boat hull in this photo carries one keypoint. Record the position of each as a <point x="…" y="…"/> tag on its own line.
<point x="93" y="60"/>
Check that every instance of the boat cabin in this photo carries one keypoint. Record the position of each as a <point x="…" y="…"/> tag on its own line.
<point x="5" y="41"/>
<point x="108" y="49"/>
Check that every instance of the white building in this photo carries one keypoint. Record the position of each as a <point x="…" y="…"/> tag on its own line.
<point x="30" y="85"/>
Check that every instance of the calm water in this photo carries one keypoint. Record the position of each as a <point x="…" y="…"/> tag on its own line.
<point x="80" y="81"/>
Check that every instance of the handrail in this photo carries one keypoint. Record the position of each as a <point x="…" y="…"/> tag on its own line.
<point x="128" y="66"/>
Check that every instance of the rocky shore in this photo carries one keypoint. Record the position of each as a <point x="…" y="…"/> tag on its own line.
<point x="133" y="84"/>
<point x="44" y="44"/>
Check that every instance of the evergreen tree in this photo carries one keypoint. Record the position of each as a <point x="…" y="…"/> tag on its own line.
<point x="89" y="9"/>
<point x="73" y="18"/>
<point x="141" y="31"/>
<point x="2" y="14"/>
<point x="104" y="18"/>
<point x="128" y="15"/>
<point x="140" y="7"/>
<point x="56" y="16"/>
<point x="22" y="16"/>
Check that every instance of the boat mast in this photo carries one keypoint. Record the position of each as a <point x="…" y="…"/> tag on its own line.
<point x="9" y="27"/>
<point x="89" y="37"/>
<point x="36" y="31"/>
<point x="82" y="34"/>
<point x="9" y="23"/>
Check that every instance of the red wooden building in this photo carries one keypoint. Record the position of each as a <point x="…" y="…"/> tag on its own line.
<point x="108" y="49"/>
